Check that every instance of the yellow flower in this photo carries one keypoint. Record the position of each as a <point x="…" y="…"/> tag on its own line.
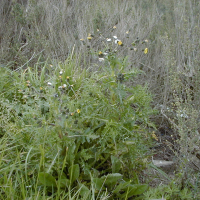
<point x="78" y="110"/>
<point x="40" y="88"/>
<point x="127" y="32"/>
<point x="100" y="53"/>
<point x="145" y="50"/>
<point x="81" y="39"/>
<point x="119" y="43"/>
<point x="114" y="27"/>
<point x="89" y="37"/>
<point x="67" y="77"/>
<point x="154" y="136"/>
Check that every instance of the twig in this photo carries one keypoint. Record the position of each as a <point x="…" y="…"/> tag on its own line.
<point x="169" y="119"/>
<point x="33" y="56"/>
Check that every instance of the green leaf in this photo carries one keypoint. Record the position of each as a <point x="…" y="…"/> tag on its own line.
<point x="116" y="164"/>
<point x="74" y="172"/>
<point x="84" y="191"/>
<point x="133" y="190"/>
<point x="112" y="179"/>
<point x="121" y="187"/>
<point x="93" y="136"/>
<point x="98" y="182"/>
<point x="160" y="171"/>
<point x="129" y="191"/>
<point x="47" y="179"/>
<point x="64" y="183"/>
<point x="71" y="154"/>
<point x="140" y="189"/>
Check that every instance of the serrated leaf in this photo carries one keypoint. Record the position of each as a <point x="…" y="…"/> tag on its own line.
<point x="74" y="172"/>
<point x="47" y="179"/>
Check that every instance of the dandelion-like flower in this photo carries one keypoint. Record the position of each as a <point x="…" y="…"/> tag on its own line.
<point x="120" y="43"/>
<point x="154" y="136"/>
<point x="90" y="36"/>
<point x="145" y="50"/>
<point x="78" y="110"/>
<point x="49" y="83"/>
<point x="61" y="72"/>
<point x="64" y="86"/>
<point x="100" y="53"/>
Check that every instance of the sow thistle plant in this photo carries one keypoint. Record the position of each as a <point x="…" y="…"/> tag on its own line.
<point x="88" y="129"/>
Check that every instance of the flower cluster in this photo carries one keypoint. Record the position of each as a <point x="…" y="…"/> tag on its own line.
<point x="111" y="44"/>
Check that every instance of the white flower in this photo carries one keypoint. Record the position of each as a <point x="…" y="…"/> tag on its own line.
<point x="115" y="37"/>
<point x="61" y="72"/>
<point x="60" y="87"/>
<point x="49" y="83"/>
<point x="101" y="59"/>
<point x="64" y="86"/>
<point x="108" y="39"/>
<point x="116" y="41"/>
